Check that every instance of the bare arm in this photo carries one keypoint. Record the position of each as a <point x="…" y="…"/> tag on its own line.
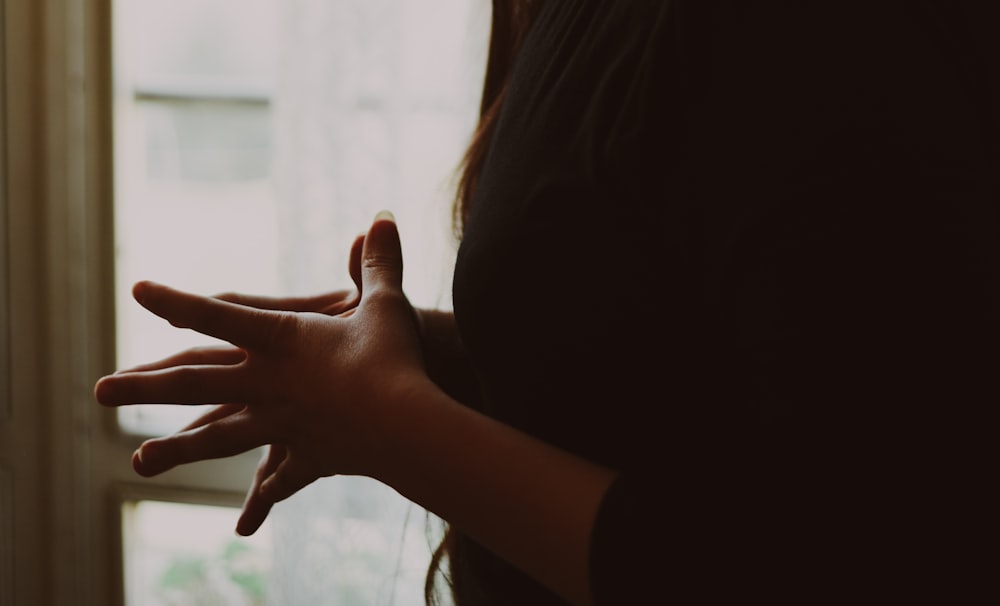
<point x="530" y="503"/>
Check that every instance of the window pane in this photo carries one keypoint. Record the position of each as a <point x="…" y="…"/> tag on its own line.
<point x="194" y="200"/>
<point x="178" y="554"/>
<point x="230" y="179"/>
<point x="208" y="41"/>
<point x="205" y="141"/>
<point x="203" y="239"/>
<point x="350" y="542"/>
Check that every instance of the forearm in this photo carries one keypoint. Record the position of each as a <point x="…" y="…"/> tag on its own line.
<point x="444" y="356"/>
<point x="527" y="501"/>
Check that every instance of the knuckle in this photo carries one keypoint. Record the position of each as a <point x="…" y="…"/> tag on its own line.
<point x="282" y="328"/>
<point x="379" y="270"/>
<point x="380" y="262"/>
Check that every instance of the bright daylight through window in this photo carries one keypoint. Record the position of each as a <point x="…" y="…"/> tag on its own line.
<point x="253" y="140"/>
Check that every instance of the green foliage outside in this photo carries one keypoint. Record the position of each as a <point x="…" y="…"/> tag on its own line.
<point x="236" y="576"/>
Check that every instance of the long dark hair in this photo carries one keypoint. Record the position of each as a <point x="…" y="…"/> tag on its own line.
<point x="511" y="21"/>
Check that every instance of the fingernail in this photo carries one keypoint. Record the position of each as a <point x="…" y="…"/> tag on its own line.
<point x="385" y="215"/>
<point x="137" y="462"/>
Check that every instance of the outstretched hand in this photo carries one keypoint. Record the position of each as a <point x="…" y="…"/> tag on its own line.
<point x="318" y="384"/>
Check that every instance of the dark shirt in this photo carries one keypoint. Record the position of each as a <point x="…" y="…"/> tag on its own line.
<point x="746" y="253"/>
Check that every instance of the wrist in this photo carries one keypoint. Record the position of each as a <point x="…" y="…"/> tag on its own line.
<point x="413" y="402"/>
<point x="444" y="355"/>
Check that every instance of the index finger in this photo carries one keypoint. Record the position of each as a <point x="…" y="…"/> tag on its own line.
<point x="240" y="325"/>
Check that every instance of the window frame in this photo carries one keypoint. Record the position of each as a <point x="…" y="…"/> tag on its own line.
<point x="55" y="181"/>
<point x="4" y="316"/>
<point x="6" y="502"/>
<point x="64" y="463"/>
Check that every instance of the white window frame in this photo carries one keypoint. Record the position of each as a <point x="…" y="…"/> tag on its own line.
<point x="64" y="465"/>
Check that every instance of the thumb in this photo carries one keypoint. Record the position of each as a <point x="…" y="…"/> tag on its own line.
<point x="382" y="256"/>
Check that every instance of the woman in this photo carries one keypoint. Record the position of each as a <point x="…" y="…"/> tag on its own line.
<point x="727" y="277"/>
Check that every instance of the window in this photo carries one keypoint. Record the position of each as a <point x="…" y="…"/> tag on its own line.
<point x="249" y="153"/>
<point x="181" y="553"/>
<point x="214" y="145"/>
<point x="195" y="203"/>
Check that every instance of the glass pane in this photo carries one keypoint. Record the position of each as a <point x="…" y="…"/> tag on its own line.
<point x="178" y="554"/>
<point x="196" y="42"/>
<point x="205" y="141"/>
<point x="205" y="239"/>
<point x="254" y="140"/>
<point x="350" y="542"/>
<point x="194" y="199"/>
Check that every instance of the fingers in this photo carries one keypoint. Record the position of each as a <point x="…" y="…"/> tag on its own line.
<point x="179" y="385"/>
<point x="223" y="355"/>
<point x="255" y="507"/>
<point x="222" y="438"/>
<point x="382" y="256"/>
<point x="324" y="303"/>
<point x="240" y="325"/>
<point x="218" y="412"/>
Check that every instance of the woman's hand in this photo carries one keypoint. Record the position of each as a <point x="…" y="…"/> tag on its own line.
<point x="320" y="389"/>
